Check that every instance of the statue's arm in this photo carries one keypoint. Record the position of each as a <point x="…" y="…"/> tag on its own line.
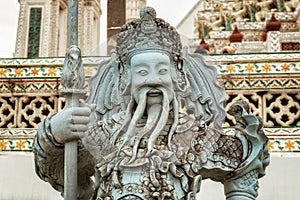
<point x="48" y="157"/>
<point x="49" y="161"/>
<point x="238" y="160"/>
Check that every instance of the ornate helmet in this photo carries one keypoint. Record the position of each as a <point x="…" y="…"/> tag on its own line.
<point x="148" y="34"/>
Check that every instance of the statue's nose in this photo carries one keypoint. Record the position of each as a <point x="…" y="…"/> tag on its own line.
<point x="153" y="81"/>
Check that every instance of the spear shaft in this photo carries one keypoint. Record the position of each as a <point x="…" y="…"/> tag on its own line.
<point x="72" y="37"/>
<point x="72" y="100"/>
<point x="70" y="168"/>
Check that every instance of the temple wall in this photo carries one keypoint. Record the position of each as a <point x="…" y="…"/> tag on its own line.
<point x="19" y="181"/>
<point x="280" y="182"/>
<point x="269" y="82"/>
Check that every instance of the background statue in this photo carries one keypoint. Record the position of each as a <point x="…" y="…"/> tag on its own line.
<point x="291" y="5"/>
<point x="238" y="15"/>
<point x="262" y="8"/>
<point x="151" y="126"/>
<point x="216" y="22"/>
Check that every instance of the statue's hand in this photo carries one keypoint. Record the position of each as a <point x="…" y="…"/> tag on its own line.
<point x="71" y="123"/>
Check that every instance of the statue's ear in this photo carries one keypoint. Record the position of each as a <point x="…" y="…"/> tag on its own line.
<point x="179" y="76"/>
<point x="179" y="65"/>
<point x="124" y="79"/>
<point x="121" y="67"/>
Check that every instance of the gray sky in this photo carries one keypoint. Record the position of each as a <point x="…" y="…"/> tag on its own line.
<point x="8" y="26"/>
<point x="170" y="10"/>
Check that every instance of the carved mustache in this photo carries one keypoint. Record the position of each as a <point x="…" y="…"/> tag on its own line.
<point x="151" y="91"/>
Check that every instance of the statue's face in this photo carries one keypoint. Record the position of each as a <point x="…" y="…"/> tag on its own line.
<point x="151" y="69"/>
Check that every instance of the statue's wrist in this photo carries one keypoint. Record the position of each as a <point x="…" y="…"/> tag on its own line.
<point x="44" y="143"/>
<point x="50" y="134"/>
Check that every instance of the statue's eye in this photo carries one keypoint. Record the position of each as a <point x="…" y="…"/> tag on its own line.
<point x="163" y="71"/>
<point x="143" y="72"/>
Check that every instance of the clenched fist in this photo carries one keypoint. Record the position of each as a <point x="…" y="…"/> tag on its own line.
<point x="71" y="123"/>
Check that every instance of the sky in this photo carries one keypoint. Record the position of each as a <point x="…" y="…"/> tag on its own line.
<point x="8" y="26"/>
<point x="172" y="11"/>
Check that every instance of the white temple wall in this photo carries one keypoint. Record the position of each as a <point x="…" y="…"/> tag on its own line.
<point x="19" y="181"/>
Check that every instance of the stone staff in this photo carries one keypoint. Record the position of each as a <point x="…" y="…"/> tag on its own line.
<point x="72" y="81"/>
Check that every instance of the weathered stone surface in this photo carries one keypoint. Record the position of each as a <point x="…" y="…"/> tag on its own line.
<point x="151" y="126"/>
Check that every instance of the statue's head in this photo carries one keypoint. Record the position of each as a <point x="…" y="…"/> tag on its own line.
<point x="148" y="67"/>
<point x="149" y="51"/>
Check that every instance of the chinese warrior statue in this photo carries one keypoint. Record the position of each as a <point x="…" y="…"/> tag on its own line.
<point x="151" y="126"/>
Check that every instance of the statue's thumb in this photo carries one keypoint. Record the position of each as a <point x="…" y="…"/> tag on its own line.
<point x="92" y="107"/>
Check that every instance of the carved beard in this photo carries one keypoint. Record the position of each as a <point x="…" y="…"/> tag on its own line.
<point x="157" y="117"/>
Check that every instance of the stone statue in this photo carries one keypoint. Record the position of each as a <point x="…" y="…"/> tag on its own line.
<point x="253" y="8"/>
<point x="262" y="8"/>
<point x="238" y="15"/>
<point x="291" y="6"/>
<point x="151" y="126"/>
<point x="216" y="22"/>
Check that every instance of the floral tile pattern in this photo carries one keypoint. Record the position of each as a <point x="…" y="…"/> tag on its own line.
<point x="42" y="67"/>
<point x="284" y="145"/>
<point x="51" y="71"/>
<point x="239" y="64"/>
<point x="259" y="68"/>
<point x="280" y="139"/>
<point x="16" y="139"/>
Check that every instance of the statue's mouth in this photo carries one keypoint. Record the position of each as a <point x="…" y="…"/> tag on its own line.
<point x="154" y="93"/>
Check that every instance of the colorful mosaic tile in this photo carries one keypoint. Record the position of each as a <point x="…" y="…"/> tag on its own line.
<point x="239" y="64"/>
<point x="39" y="72"/>
<point x="284" y="144"/>
<point x="260" y="82"/>
<point x="283" y="16"/>
<point x="259" y="68"/>
<point x="274" y="132"/>
<point x="251" y="25"/>
<point x="8" y="86"/>
<point x="252" y="58"/>
<point x="31" y="72"/>
<point x="22" y="139"/>
<point x="280" y="139"/>
<point x="57" y="61"/>
<point x="16" y="139"/>
<point x="288" y="131"/>
<point x="31" y="62"/>
<point x="220" y="34"/>
<point x="16" y="144"/>
<point x="26" y="133"/>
